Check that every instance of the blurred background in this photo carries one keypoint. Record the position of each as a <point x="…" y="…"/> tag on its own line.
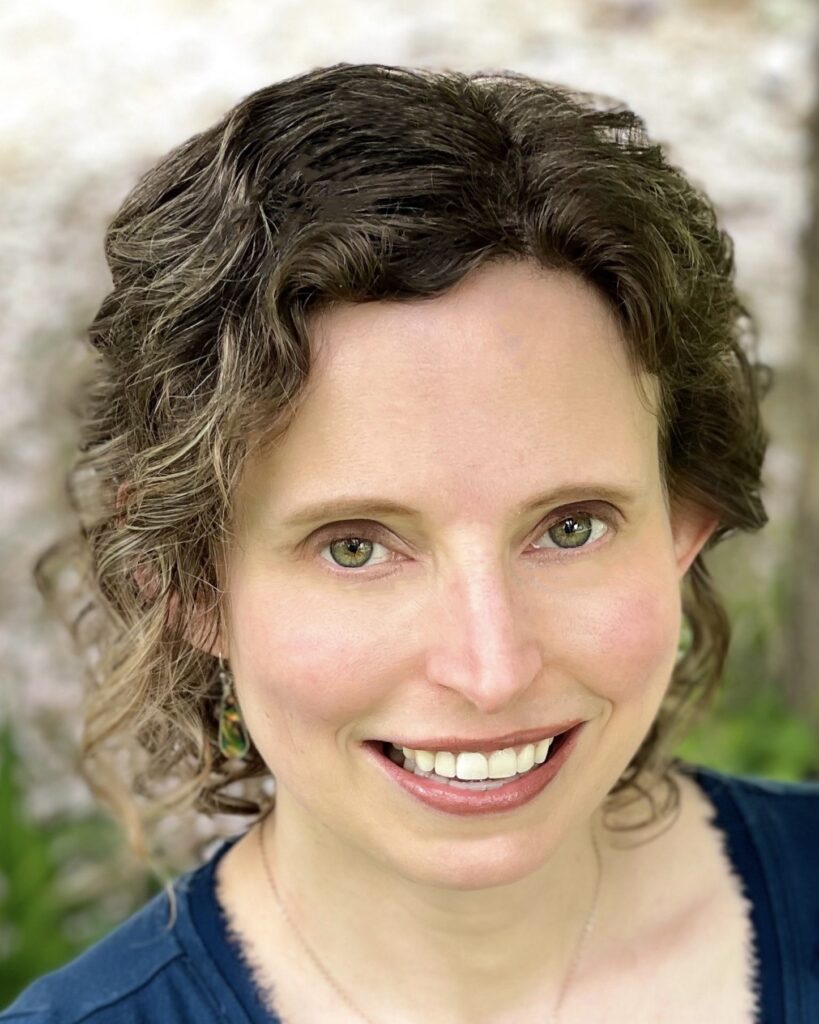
<point x="94" y="94"/>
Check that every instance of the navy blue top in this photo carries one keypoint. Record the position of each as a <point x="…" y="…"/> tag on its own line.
<point x="156" y="970"/>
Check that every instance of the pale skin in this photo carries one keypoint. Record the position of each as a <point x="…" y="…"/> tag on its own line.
<point x="468" y="619"/>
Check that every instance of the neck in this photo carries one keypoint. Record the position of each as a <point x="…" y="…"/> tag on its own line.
<point x="480" y="953"/>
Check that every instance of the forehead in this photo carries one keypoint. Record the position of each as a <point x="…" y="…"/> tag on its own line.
<point x="513" y="378"/>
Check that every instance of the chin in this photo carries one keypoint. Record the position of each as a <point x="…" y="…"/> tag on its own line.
<point x="504" y="853"/>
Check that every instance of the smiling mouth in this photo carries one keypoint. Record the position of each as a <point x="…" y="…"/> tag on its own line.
<point x="448" y="768"/>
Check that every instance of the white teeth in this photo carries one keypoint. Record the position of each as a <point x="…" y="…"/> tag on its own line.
<point x="445" y="764"/>
<point x="503" y="764"/>
<point x="542" y="749"/>
<point x="472" y="766"/>
<point x="481" y="787"/>
<point x="526" y="758"/>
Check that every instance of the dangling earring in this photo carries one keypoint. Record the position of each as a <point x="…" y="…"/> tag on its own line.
<point x="233" y="738"/>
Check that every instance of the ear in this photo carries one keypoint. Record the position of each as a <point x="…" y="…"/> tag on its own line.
<point x="691" y="526"/>
<point x="201" y="629"/>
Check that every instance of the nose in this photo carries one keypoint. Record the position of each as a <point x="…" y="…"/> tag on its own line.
<point x="482" y="644"/>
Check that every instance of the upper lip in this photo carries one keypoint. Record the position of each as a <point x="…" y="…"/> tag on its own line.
<point x="510" y="739"/>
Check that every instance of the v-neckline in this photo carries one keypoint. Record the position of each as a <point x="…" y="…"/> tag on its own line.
<point x="211" y="920"/>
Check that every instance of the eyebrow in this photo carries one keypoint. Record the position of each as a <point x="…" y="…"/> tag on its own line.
<point x="350" y="506"/>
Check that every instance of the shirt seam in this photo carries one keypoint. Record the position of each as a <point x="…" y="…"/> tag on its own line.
<point x="184" y="963"/>
<point x="131" y="991"/>
<point x="195" y="977"/>
<point x="192" y="940"/>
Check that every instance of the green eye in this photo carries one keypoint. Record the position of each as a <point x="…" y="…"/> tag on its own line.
<point x="357" y="549"/>
<point x="575" y="531"/>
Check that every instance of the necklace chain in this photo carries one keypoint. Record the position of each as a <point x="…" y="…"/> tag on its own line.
<point x="567" y="980"/>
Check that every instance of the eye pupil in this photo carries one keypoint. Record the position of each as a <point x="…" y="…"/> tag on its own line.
<point x="346" y="546"/>
<point x="575" y="531"/>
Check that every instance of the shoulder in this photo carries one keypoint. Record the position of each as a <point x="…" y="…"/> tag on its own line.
<point x="772" y="833"/>
<point x="137" y="973"/>
<point x="780" y="818"/>
<point x="784" y="800"/>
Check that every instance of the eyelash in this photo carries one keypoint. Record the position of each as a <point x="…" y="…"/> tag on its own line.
<point x="375" y="534"/>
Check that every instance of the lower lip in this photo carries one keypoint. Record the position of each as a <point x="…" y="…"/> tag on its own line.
<point x="492" y="801"/>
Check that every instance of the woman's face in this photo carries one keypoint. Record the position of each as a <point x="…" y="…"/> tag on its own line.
<point x="492" y="414"/>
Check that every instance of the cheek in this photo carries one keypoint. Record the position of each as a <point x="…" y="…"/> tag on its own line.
<point x="630" y="641"/>
<point x="292" y="657"/>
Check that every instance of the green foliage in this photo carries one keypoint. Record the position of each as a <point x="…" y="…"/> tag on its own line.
<point x="44" y="919"/>
<point x="763" y="737"/>
<point x="31" y="939"/>
<point x="752" y="727"/>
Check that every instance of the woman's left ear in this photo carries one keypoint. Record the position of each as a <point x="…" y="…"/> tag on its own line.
<point x="691" y="526"/>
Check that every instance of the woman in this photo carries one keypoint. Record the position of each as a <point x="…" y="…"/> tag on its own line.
<point x="420" y="397"/>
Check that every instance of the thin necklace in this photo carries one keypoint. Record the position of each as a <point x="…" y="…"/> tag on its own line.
<point x="553" y="1016"/>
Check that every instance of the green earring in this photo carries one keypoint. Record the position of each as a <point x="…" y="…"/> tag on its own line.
<point x="233" y="738"/>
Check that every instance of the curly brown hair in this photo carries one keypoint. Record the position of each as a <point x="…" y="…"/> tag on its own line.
<point x="356" y="183"/>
